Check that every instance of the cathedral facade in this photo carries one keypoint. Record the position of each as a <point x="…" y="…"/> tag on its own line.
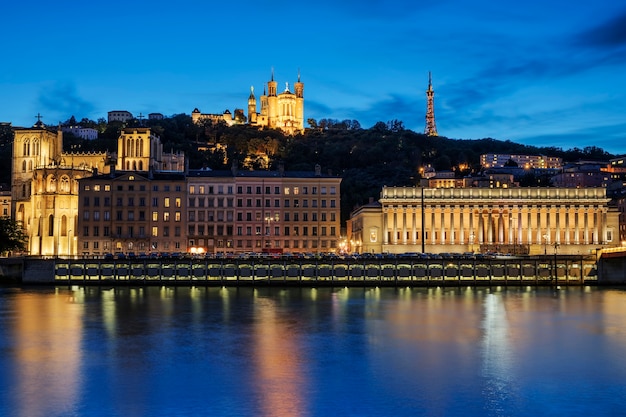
<point x="44" y="188"/>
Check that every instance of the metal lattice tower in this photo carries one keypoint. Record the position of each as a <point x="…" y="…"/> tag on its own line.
<point x="431" y="127"/>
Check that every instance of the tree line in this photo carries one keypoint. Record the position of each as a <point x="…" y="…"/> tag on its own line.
<point x="366" y="158"/>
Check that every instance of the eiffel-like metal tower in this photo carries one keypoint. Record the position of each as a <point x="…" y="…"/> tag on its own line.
<point x="431" y="127"/>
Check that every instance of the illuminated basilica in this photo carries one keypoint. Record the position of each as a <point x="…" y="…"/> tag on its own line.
<point x="284" y="110"/>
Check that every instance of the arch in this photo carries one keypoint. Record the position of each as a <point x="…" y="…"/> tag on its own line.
<point x="134" y="165"/>
<point x="137" y="148"/>
<point x="20" y="214"/>
<point x="52" y="184"/>
<point x="39" y="226"/>
<point x="63" y="226"/>
<point x="127" y="166"/>
<point x="65" y="184"/>
<point x="141" y="147"/>
<point x="140" y="165"/>
<point x="128" y="148"/>
<point x="24" y="166"/>
<point x="51" y="225"/>
<point x="30" y="165"/>
<point x="36" y="147"/>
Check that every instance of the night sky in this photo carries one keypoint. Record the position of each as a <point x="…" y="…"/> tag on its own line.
<point x="546" y="73"/>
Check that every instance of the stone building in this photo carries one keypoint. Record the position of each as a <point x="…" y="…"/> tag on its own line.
<point x="44" y="188"/>
<point x="263" y="211"/>
<point x="506" y="220"/>
<point x="284" y="110"/>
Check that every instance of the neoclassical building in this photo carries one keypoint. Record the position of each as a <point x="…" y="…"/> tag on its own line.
<point x="278" y="110"/>
<point x="507" y="220"/>
<point x="44" y="188"/>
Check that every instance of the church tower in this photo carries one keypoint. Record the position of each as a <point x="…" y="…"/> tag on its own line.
<point x="431" y="127"/>
<point x="252" y="107"/>
<point x="299" y="87"/>
<point x="272" y="101"/>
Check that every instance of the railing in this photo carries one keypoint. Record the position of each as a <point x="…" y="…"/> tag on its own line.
<point x="565" y="270"/>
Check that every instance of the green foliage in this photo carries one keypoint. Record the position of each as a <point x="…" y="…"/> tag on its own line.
<point x="12" y="237"/>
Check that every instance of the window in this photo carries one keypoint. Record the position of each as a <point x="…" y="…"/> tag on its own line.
<point x="177" y="216"/>
<point x="166" y="202"/>
<point x="155" y="231"/>
<point x="86" y="201"/>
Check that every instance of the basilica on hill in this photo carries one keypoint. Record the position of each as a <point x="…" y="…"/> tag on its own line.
<point x="284" y="111"/>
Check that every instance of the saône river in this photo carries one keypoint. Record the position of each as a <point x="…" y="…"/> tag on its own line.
<point x="198" y="351"/>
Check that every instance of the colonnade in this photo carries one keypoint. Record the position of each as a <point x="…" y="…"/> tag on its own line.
<point x="486" y="219"/>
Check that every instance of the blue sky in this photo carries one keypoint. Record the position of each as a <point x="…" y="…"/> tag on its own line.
<point x="546" y="73"/>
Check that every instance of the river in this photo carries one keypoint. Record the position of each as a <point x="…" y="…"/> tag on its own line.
<point x="198" y="351"/>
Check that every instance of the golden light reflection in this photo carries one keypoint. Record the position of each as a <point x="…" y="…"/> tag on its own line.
<point x="279" y="376"/>
<point x="48" y="353"/>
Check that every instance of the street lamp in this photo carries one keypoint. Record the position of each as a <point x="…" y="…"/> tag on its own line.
<point x="556" y="245"/>
<point x="266" y="235"/>
<point x="545" y="244"/>
<point x="69" y="243"/>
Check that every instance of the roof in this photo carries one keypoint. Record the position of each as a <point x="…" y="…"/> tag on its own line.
<point x="256" y="174"/>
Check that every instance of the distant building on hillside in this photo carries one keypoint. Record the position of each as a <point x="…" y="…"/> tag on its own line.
<point x="494" y="160"/>
<point x="119" y="116"/>
<point x="284" y="111"/>
<point x="81" y="132"/>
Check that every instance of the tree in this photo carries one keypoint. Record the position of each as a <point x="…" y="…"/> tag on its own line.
<point x="12" y="237"/>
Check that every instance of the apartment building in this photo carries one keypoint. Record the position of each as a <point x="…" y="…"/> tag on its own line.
<point x="263" y="211"/>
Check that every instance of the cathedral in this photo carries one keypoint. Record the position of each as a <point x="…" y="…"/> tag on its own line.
<point x="44" y="188"/>
<point x="284" y="110"/>
<point x="45" y="181"/>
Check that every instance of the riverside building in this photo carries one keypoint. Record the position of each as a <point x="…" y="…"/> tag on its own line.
<point x="506" y="220"/>
<point x="262" y="211"/>
<point x="44" y="188"/>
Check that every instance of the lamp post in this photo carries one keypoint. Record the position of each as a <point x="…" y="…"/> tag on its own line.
<point x="69" y="243"/>
<point x="266" y="235"/>
<point x="556" y="278"/>
<point x="545" y="244"/>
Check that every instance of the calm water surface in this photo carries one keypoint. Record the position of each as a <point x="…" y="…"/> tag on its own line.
<point x="312" y="352"/>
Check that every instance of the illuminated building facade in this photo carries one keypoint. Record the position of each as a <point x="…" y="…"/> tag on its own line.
<point x="138" y="207"/>
<point x="508" y="220"/>
<point x="44" y="188"/>
<point x="263" y="211"/>
<point x="132" y="212"/>
<point x="284" y="111"/>
<point x="495" y="160"/>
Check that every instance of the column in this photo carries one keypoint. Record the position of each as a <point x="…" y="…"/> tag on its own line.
<point x="385" y="226"/>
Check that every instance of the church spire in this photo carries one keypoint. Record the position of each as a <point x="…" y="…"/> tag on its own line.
<point x="431" y="127"/>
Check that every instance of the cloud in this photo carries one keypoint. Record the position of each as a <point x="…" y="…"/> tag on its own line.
<point x="63" y="100"/>
<point x="609" y="34"/>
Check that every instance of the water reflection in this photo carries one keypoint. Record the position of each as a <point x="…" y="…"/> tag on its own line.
<point x="46" y="334"/>
<point x="311" y="352"/>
